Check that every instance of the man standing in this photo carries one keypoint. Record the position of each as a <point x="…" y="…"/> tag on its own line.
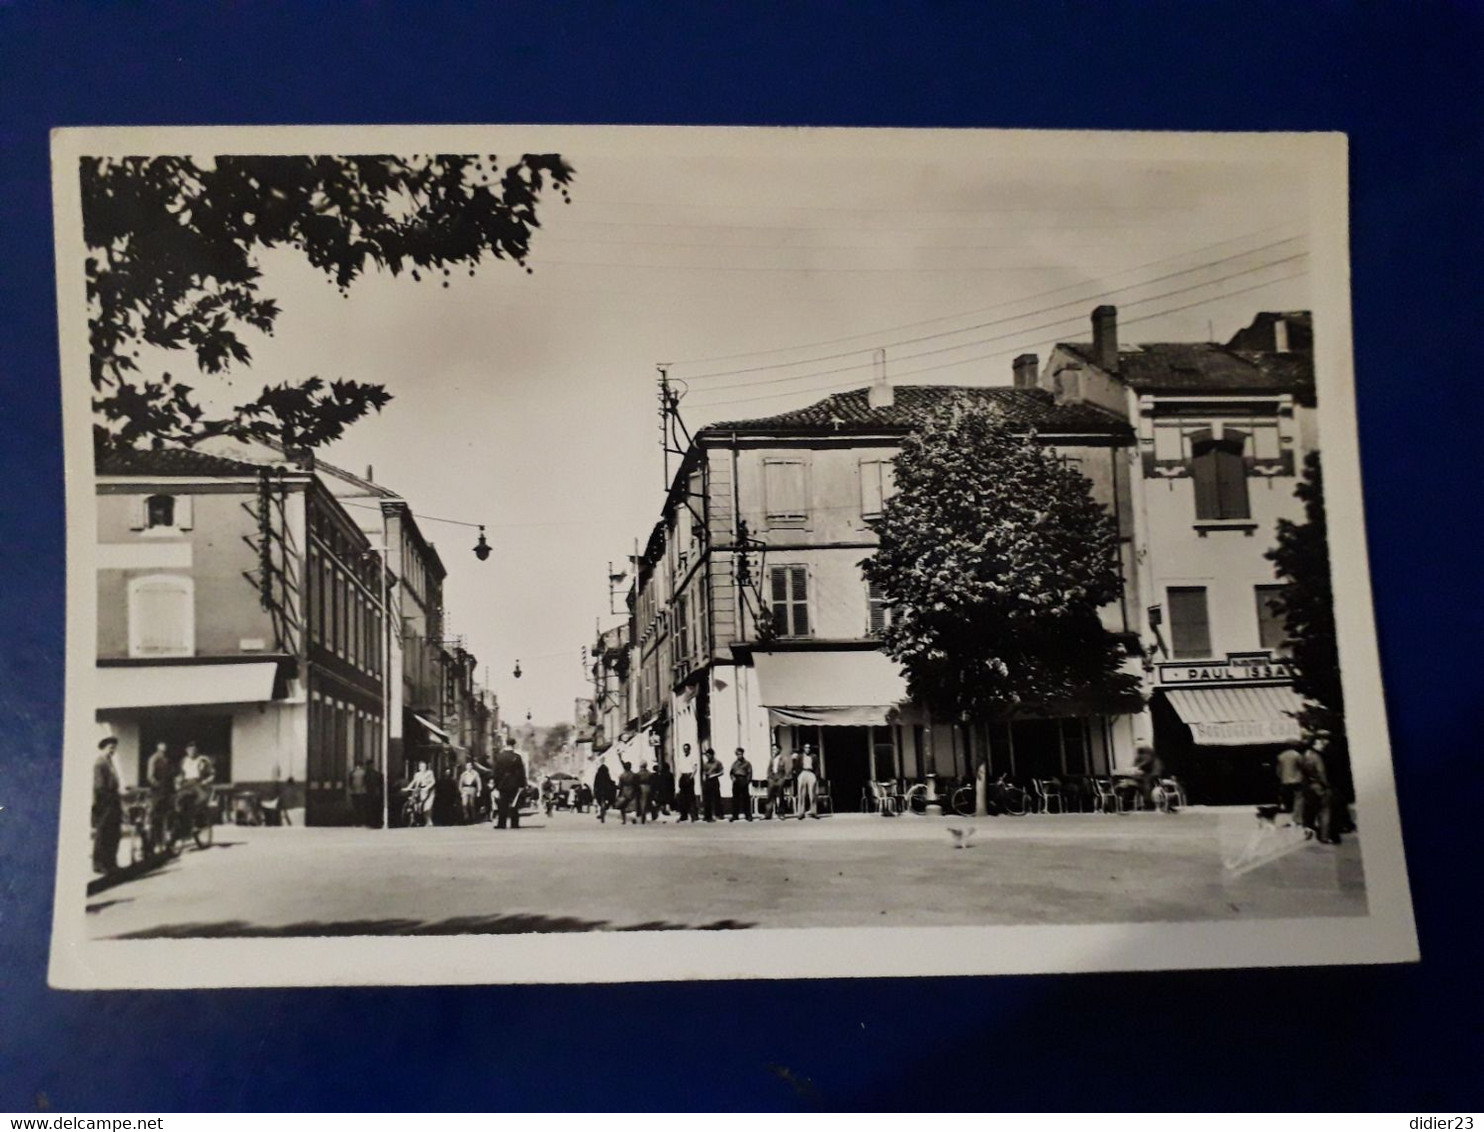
<point x="643" y="790"/>
<point x="510" y="781"/>
<point x="358" y="792"/>
<point x="807" y="798"/>
<point x="741" y="776"/>
<point x="161" y="777"/>
<point x="1315" y="809"/>
<point x="685" y="790"/>
<point x="664" y="790"/>
<point x="375" y="791"/>
<point x="777" y="783"/>
<point x="470" y="785"/>
<point x="108" y="807"/>
<point x="1290" y="778"/>
<point x="711" y="772"/>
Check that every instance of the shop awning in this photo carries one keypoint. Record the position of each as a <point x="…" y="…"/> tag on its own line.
<point x="433" y="727"/>
<point x="178" y="685"/>
<point x="829" y="688"/>
<point x="1237" y="717"/>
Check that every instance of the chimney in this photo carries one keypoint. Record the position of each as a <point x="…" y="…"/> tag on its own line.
<point x="880" y="395"/>
<point x="1280" y="334"/>
<point x="1105" y="338"/>
<point x="370" y="473"/>
<point x="1026" y="366"/>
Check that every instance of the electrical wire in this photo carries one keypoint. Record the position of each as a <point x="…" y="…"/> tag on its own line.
<point x="1001" y="321"/>
<point x="983" y="357"/>
<point x="981" y="310"/>
<point x="999" y="337"/>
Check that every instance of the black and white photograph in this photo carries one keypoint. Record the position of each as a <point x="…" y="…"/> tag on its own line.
<point x="523" y="554"/>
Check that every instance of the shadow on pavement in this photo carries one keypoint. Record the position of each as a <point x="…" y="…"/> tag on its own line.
<point x="516" y="924"/>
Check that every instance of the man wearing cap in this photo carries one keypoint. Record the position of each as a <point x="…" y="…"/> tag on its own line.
<point x="108" y="807"/>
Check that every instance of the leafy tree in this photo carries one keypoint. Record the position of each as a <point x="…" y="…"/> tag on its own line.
<point x="172" y="264"/>
<point x="994" y="559"/>
<point x="1307" y="606"/>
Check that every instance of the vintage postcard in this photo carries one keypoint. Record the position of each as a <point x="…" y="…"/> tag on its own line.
<point x="555" y="554"/>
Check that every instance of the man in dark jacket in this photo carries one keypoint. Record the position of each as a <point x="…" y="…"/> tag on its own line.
<point x="741" y="776"/>
<point x="711" y="772"/>
<point x="509" y="781"/>
<point x="108" y="808"/>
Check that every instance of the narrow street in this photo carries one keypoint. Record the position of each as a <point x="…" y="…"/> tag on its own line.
<point x="569" y="873"/>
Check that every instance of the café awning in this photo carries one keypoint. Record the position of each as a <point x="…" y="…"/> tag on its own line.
<point x="1237" y="717"/>
<point x="839" y="689"/>
<point x="433" y="728"/>
<point x="179" y="685"/>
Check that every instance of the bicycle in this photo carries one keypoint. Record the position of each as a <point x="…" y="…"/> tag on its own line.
<point x="960" y="800"/>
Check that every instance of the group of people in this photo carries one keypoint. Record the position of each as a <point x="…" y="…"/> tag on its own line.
<point x="649" y="793"/>
<point x="174" y="784"/>
<point x="1304" y="791"/>
<point x="468" y="796"/>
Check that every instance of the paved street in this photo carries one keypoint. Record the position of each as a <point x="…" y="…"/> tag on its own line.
<point x="568" y="873"/>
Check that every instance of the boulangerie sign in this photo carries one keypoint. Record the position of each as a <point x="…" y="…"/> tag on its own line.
<point x="559" y="554"/>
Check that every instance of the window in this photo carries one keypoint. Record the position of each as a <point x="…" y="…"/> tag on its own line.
<point x="878" y="484"/>
<point x="162" y="616"/>
<point x="316" y="598"/>
<point x="1190" y="626"/>
<point x="1271" y="632"/>
<point x="159" y="511"/>
<point x="790" y="600"/>
<point x="785" y="492"/>
<point x="880" y="615"/>
<point x="682" y="630"/>
<point x="1220" y="475"/>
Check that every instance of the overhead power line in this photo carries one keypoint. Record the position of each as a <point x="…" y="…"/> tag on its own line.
<point x="1064" y="320"/>
<point x="1110" y="292"/>
<point x="1208" y="248"/>
<point x="984" y="357"/>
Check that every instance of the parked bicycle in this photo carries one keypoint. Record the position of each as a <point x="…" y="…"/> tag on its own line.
<point x="163" y="826"/>
<point x="958" y="800"/>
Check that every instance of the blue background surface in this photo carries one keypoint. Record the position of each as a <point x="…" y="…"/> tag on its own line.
<point x="1402" y="80"/>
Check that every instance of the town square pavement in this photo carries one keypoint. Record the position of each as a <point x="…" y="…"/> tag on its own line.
<point x="567" y="872"/>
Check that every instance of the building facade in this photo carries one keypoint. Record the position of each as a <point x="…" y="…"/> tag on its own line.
<point x="753" y="622"/>
<point x="1221" y="434"/>
<point x="240" y="608"/>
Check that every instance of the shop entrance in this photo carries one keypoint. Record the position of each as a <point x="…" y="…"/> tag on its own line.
<point x="847" y="764"/>
<point x="212" y="735"/>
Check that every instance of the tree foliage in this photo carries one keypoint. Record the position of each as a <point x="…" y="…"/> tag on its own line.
<point x="1307" y="605"/>
<point x="994" y="559"/>
<point x="172" y="264"/>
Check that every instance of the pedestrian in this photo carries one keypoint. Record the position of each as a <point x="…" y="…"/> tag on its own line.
<point x="741" y="776"/>
<point x="664" y="789"/>
<point x="161" y="777"/>
<point x="358" y="792"/>
<point x="509" y="784"/>
<point x="1149" y="769"/>
<point x="685" y="796"/>
<point x="711" y="772"/>
<point x="604" y="792"/>
<point x="470" y="785"/>
<point x="644" y="790"/>
<point x="806" y="788"/>
<point x="628" y="789"/>
<point x="778" y="774"/>
<point x="108" y="807"/>
<point x="1290" y="778"/>
<point x="375" y="795"/>
<point x="1315" y="809"/>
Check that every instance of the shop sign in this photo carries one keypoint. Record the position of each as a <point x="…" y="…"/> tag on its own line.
<point x="1237" y="668"/>
<point x="1243" y="732"/>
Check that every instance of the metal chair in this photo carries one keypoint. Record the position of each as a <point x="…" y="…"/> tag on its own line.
<point x="823" y="803"/>
<point x="1048" y="791"/>
<point x="1105" y="798"/>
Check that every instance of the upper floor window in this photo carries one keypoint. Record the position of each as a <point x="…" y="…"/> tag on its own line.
<point x="786" y="492"/>
<point x="1220" y="475"/>
<point x="1271" y="632"/>
<point x="162" y="513"/>
<point x="880" y="612"/>
<point x="878" y="484"/>
<point x="162" y="616"/>
<point x="789" y="600"/>
<point x="1190" y="624"/>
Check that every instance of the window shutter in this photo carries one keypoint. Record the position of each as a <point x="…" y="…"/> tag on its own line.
<point x="183" y="512"/>
<point x="1190" y="629"/>
<point x="138" y="512"/>
<point x="1231" y="476"/>
<point x="878" y="609"/>
<point x="1203" y="471"/>
<point x="870" y="476"/>
<point x="800" y="579"/>
<point x="784" y="491"/>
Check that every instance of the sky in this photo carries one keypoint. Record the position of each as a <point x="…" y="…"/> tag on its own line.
<point x="763" y="268"/>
